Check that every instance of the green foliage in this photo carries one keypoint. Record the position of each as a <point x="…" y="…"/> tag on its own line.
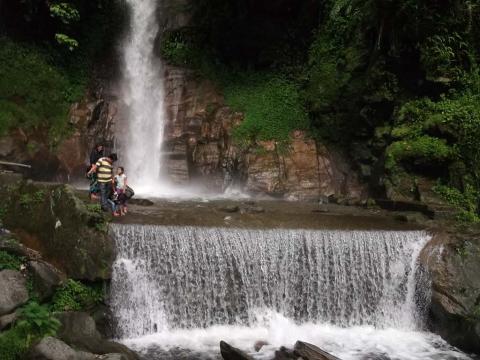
<point x="13" y="344"/>
<point x="9" y="261"/>
<point x="33" y="93"/>
<point x="35" y="322"/>
<point x="65" y="12"/>
<point x="27" y="200"/>
<point x="423" y="150"/>
<point x="465" y="201"/>
<point x="75" y="296"/>
<point x="67" y="41"/>
<point x="272" y="106"/>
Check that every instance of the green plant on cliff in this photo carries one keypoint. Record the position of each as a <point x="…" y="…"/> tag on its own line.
<point x="9" y="261"/>
<point x="27" y="200"/>
<point x="34" y="94"/>
<point x="75" y="296"/>
<point x="272" y="106"/>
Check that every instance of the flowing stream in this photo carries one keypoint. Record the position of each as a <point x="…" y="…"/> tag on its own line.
<point x="357" y="294"/>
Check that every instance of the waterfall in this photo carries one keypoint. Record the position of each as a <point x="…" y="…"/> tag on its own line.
<point x="143" y="96"/>
<point x="168" y="278"/>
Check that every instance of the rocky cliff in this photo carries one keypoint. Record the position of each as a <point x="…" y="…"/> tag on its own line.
<point x="452" y="258"/>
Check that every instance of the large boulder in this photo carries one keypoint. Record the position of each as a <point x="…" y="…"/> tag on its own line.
<point x="79" y="330"/>
<point x="14" y="291"/>
<point x="452" y="259"/>
<point x="50" y="348"/>
<point x="231" y="353"/>
<point x="67" y="233"/>
<point x="308" y="351"/>
<point x="45" y="278"/>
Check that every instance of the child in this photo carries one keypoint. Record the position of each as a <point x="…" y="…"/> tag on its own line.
<point x="120" y="187"/>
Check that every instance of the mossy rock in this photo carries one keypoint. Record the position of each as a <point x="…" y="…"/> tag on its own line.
<point x="53" y="220"/>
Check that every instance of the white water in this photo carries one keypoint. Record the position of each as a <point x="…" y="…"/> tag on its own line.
<point x="352" y="293"/>
<point x="143" y="95"/>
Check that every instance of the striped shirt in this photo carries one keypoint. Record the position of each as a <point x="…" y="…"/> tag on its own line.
<point x="104" y="170"/>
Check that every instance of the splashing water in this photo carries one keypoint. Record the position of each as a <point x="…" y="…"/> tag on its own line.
<point x="351" y="292"/>
<point x="143" y="95"/>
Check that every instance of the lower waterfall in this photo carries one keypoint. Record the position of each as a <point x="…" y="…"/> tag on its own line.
<point x="189" y="287"/>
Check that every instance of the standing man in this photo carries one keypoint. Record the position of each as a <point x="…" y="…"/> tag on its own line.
<point x="104" y="169"/>
<point x="97" y="153"/>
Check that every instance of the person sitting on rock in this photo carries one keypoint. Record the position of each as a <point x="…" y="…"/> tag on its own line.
<point x="104" y="170"/>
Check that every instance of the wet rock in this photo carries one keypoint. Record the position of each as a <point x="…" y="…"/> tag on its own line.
<point x="113" y="357"/>
<point x="14" y="291"/>
<point x="12" y="246"/>
<point x="79" y="330"/>
<point x="253" y="210"/>
<point x="7" y="320"/>
<point x="259" y="344"/>
<point x="141" y="202"/>
<point x="410" y="206"/>
<point x="50" y="348"/>
<point x="230" y="353"/>
<point x="230" y="208"/>
<point x="45" y="278"/>
<point x="311" y="352"/>
<point x="285" y="354"/>
<point x="453" y="262"/>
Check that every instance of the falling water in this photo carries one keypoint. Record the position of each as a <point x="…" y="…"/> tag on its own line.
<point x="143" y="96"/>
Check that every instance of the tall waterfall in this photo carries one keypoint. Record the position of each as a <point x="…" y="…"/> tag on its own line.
<point x="143" y="96"/>
<point x="167" y="278"/>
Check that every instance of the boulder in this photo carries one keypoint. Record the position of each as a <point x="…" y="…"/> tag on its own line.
<point x="14" y="291"/>
<point x="66" y="232"/>
<point x="285" y="354"/>
<point x="7" y="320"/>
<point x="45" y="278"/>
<point x="452" y="259"/>
<point x="311" y="352"/>
<point x="79" y="330"/>
<point x="230" y="353"/>
<point x="50" y="348"/>
<point x="259" y="345"/>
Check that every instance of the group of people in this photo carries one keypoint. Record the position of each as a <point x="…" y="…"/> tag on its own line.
<point x="110" y="186"/>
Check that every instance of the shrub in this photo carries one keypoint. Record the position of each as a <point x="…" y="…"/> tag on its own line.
<point x="420" y="150"/>
<point x="75" y="296"/>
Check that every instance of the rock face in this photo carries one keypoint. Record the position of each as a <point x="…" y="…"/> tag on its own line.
<point x="79" y="330"/>
<point x="453" y="261"/>
<point x="199" y="148"/>
<point x="45" y="278"/>
<point x="69" y="235"/>
<point x="90" y="120"/>
<point x="14" y="291"/>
